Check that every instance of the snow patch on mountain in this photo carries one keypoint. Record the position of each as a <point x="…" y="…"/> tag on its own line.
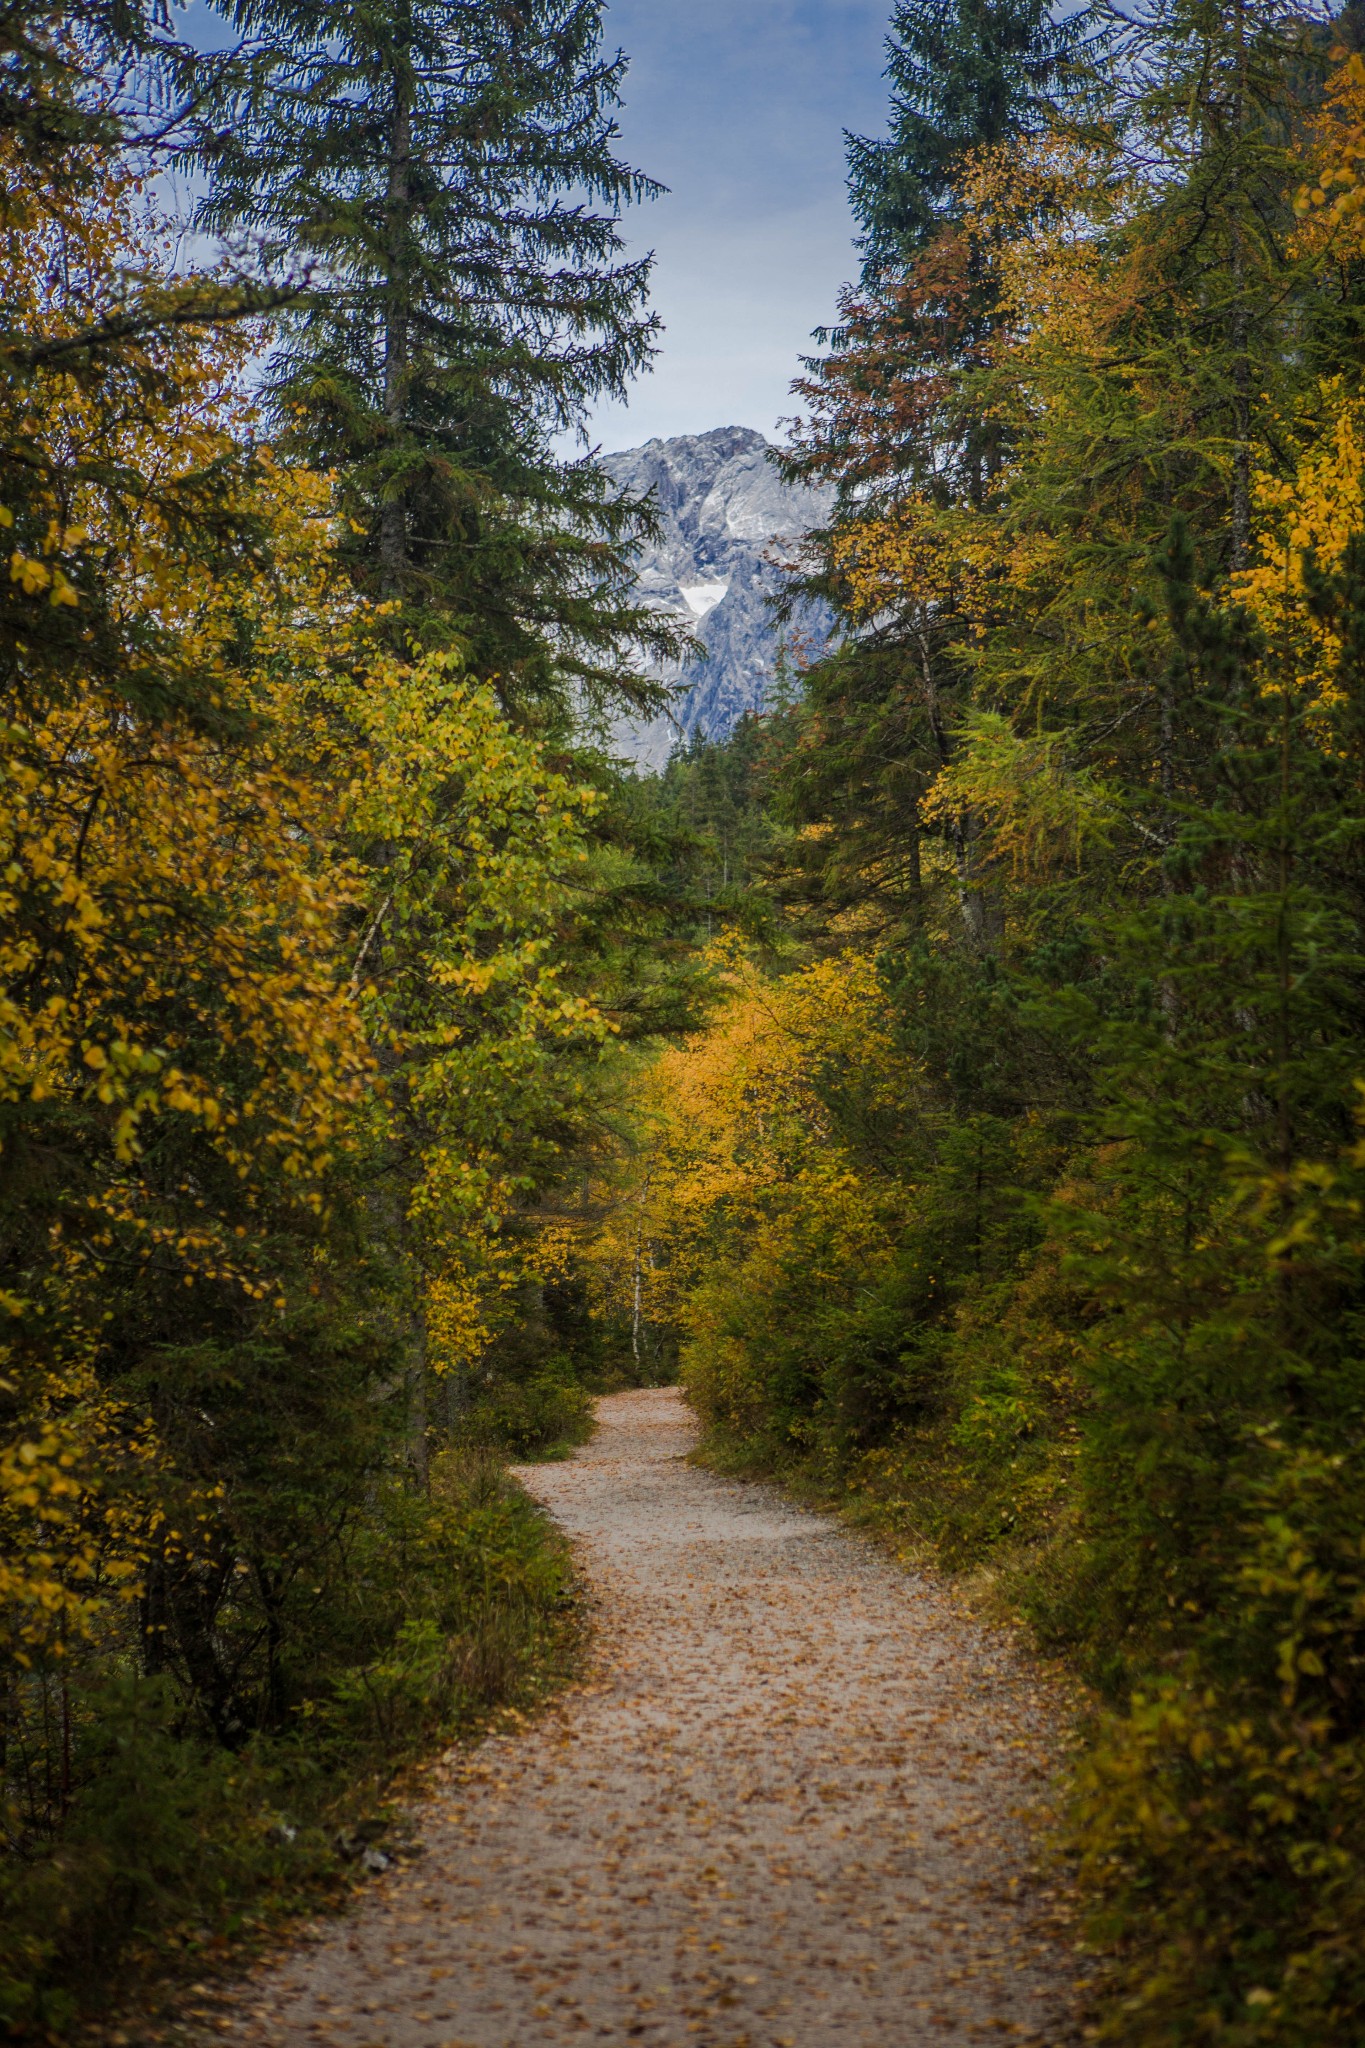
<point x="701" y="598"/>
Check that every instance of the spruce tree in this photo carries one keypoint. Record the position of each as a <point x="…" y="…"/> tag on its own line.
<point x="445" y="173"/>
<point x="894" y="415"/>
<point x="964" y="75"/>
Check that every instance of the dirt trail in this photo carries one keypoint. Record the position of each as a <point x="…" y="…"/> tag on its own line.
<point x="783" y="1811"/>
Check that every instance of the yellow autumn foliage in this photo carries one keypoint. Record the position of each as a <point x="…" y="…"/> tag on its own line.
<point x="739" y="1184"/>
<point x="1331" y="203"/>
<point x="269" y="890"/>
<point x="1309" y="515"/>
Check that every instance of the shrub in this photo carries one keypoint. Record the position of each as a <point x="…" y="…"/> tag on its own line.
<point x="547" y="1413"/>
<point x="159" y="1839"/>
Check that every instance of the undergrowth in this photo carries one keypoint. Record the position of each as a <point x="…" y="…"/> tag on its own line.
<point x="165" y="1853"/>
<point x="1212" y="1817"/>
<point x="540" y="1417"/>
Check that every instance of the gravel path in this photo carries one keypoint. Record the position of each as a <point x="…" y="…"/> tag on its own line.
<point x="783" y="1813"/>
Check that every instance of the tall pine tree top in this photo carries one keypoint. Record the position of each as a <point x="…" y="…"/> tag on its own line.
<point x="964" y="75"/>
<point x="446" y="173"/>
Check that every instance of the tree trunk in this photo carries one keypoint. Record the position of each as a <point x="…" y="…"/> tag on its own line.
<point x="393" y="534"/>
<point x="982" y="911"/>
<point x="1241" y="339"/>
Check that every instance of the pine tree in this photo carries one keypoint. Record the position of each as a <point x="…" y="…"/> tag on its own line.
<point x="964" y="75"/>
<point x="76" y="77"/>
<point x="893" y="416"/>
<point x="446" y="173"/>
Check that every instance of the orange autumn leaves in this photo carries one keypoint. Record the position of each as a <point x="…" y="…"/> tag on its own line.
<point x="1000" y="575"/>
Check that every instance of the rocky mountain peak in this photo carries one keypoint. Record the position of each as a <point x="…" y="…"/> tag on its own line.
<point x="724" y="514"/>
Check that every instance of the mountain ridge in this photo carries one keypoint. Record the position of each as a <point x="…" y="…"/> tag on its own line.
<point x="725" y="514"/>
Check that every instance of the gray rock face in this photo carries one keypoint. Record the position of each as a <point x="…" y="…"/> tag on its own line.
<point x="728" y="523"/>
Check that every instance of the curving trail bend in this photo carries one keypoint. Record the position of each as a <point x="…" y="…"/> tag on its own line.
<point x="785" y="1811"/>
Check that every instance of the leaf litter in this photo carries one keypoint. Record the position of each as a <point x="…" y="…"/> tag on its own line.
<point x="790" y="1807"/>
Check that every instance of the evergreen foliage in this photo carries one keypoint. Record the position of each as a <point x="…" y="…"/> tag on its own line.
<point x="1013" y="1197"/>
<point x="444" y="175"/>
<point x="964" y="75"/>
<point x="712" y="798"/>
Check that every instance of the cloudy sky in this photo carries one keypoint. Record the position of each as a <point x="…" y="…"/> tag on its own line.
<point x="739" y="107"/>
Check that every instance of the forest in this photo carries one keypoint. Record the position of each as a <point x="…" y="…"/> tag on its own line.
<point x="954" y="1079"/>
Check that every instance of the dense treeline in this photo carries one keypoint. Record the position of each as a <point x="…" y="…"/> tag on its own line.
<point x="1013" y="1192"/>
<point x="1016" y="1193"/>
<point x="325" y="917"/>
